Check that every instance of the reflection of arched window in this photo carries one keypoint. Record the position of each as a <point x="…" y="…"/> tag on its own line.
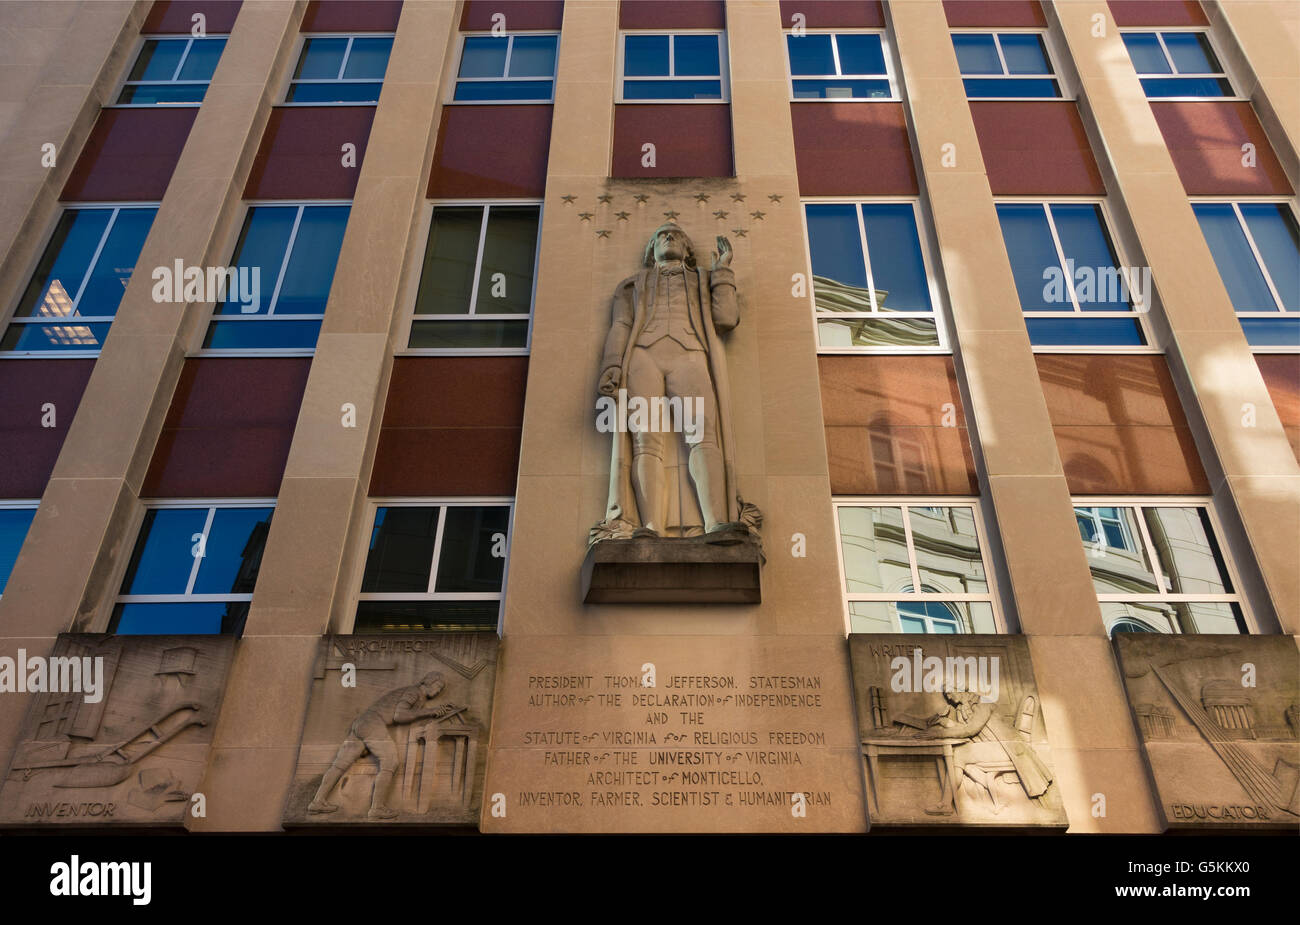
<point x="1105" y="524"/>
<point x="1130" y="626"/>
<point x="928" y="617"/>
<point x="898" y="461"/>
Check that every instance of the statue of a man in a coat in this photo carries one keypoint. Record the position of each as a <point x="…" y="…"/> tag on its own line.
<point x="664" y="347"/>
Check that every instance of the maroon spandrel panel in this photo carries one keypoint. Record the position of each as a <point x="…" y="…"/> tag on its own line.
<point x="1281" y="374"/>
<point x="491" y="152"/>
<point x="520" y="15"/>
<point x="974" y="14"/>
<point x="852" y="149"/>
<point x="130" y="155"/>
<point x="352" y="16"/>
<point x="833" y="14"/>
<point x="1119" y="425"/>
<point x="1157" y="13"/>
<point x="1206" y="139"/>
<point x="301" y="156"/>
<point x="28" y="447"/>
<point x="451" y="427"/>
<point x="1036" y="148"/>
<point x="174" y="17"/>
<point x="691" y="140"/>
<point x="672" y="14"/>
<point x="884" y="419"/>
<point x="228" y="430"/>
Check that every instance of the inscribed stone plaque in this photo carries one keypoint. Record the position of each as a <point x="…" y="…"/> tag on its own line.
<point x="951" y="732"/>
<point x="396" y="731"/>
<point x="674" y="734"/>
<point x="134" y="751"/>
<point x="1219" y="718"/>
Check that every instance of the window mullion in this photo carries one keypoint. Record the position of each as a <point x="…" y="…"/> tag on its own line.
<point x="1169" y="59"/>
<point x="1060" y="253"/>
<point x="1002" y="58"/>
<point x="284" y="263"/>
<point x="94" y="259"/>
<point x="1152" y="553"/>
<point x="347" y="53"/>
<point x="911" y="548"/>
<point x="437" y="547"/>
<point x="835" y="53"/>
<point x="1259" y="258"/>
<point x="198" y="560"/>
<point x="478" y="262"/>
<point x="181" y="63"/>
<point x="672" y="59"/>
<point x="510" y="46"/>
<point x="866" y="258"/>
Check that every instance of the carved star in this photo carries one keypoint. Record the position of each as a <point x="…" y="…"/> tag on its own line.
<point x="568" y="200"/>
<point x="603" y="233"/>
<point x="701" y="197"/>
<point x="641" y="197"/>
<point x="622" y="216"/>
<point x="670" y="215"/>
<point x="758" y="215"/>
<point x="775" y="197"/>
<point x="586" y="216"/>
<point x="737" y="197"/>
<point x="719" y="215"/>
<point x="738" y="232"/>
<point x="604" y="197"/>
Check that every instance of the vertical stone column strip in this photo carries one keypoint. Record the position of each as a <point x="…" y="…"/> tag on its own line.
<point x="82" y="48"/>
<point x="1094" y="748"/>
<point x="1267" y="33"/>
<point x="64" y="577"/>
<point x="1253" y="468"/>
<point x="305" y="566"/>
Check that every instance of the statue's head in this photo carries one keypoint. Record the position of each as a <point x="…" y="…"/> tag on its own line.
<point x="669" y="242"/>
<point x="432" y="684"/>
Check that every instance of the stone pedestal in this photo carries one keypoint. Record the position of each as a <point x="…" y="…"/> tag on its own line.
<point x="673" y="571"/>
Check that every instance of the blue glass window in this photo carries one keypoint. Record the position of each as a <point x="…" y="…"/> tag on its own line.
<point x="848" y="65"/>
<point x="672" y="67"/>
<point x="1072" y="288"/>
<point x="172" y="71"/>
<point x="476" y="287"/>
<point x="870" y="287"/>
<point x="437" y="567"/>
<point x="1005" y="64"/>
<point x="1173" y="64"/>
<point x="78" y="284"/>
<point x="283" y="266"/>
<point x="1256" y="248"/>
<point x="193" y="570"/>
<point x="340" y="69"/>
<point x="512" y="67"/>
<point x="14" y="523"/>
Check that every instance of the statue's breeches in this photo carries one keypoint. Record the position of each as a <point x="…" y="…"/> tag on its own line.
<point x="668" y="370"/>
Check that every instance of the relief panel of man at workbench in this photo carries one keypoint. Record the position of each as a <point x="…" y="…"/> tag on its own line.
<point x="952" y="732"/>
<point x="118" y="732"/>
<point x="396" y="731"/>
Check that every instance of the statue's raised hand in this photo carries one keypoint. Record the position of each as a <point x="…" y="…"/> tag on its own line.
<point x="722" y="256"/>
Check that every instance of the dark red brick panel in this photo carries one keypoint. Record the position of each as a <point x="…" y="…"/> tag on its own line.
<point x="491" y="152"/>
<point x="28" y="448"/>
<point x="229" y="427"/>
<point x="301" y="156"/>
<point x="173" y="17"/>
<point x="1205" y="140"/>
<point x="852" y="149"/>
<point x="451" y="427"/>
<point x="352" y="16"/>
<point x="884" y="419"/>
<point x="130" y="155"/>
<point x="1119" y="425"/>
<point x="995" y="13"/>
<point x="520" y="15"/>
<point x="1158" y="13"/>
<point x="672" y="14"/>
<point x="834" y="14"/>
<point x="1281" y="374"/>
<point x="1036" y="148"/>
<point x="691" y="140"/>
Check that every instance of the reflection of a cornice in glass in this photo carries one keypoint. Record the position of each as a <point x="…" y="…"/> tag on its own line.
<point x="71" y="335"/>
<point x="57" y="303"/>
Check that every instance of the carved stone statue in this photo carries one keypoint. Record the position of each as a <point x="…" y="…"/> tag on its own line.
<point x="664" y="379"/>
<point x="369" y="733"/>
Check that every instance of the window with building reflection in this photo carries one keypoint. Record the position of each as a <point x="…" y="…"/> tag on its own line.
<point x="1159" y="568"/>
<point x="911" y="568"/>
<point x="434" y="566"/>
